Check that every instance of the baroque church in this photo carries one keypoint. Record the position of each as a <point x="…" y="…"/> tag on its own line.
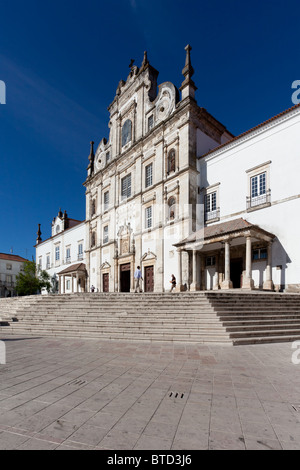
<point x="173" y="191"/>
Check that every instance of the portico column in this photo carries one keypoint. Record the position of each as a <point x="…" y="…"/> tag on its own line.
<point x="216" y="282"/>
<point x="179" y="286"/>
<point x="63" y="285"/>
<point x="268" y="284"/>
<point x="248" y="282"/>
<point x="227" y="284"/>
<point x="195" y="282"/>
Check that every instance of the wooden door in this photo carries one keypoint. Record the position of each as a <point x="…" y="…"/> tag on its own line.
<point x="105" y="278"/>
<point x="149" y="279"/>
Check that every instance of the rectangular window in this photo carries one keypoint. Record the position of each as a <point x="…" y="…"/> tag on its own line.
<point x="258" y="190"/>
<point x="126" y="186"/>
<point x="40" y="262"/>
<point x="105" y="234"/>
<point x="80" y="251"/>
<point x="210" y="205"/>
<point x="148" y="217"/>
<point x="8" y="279"/>
<point x="106" y="200"/>
<point x="48" y="262"/>
<point x="68" y="284"/>
<point x="107" y="156"/>
<point x="68" y="255"/>
<point x="57" y="253"/>
<point x="150" y="122"/>
<point x="210" y="261"/>
<point x="9" y="267"/>
<point x="260" y="253"/>
<point x="148" y="175"/>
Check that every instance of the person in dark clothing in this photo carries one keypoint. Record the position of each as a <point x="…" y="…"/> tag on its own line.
<point x="173" y="282"/>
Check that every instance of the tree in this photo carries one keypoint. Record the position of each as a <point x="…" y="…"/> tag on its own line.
<point x="32" y="279"/>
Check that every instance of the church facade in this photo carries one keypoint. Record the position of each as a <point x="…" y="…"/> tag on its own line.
<point x="173" y="191"/>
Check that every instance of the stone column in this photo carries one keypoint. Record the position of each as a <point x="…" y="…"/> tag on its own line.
<point x="268" y="284"/>
<point x="179" y="286"/>
<point x="248" y="282"/>
<point x="216" y="282"/>
<point x="227" y="284"/>
<point x="63" y="285"/>
<point x="195" y="282"/>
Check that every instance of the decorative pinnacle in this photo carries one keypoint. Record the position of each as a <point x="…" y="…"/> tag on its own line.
<point x="188" y="70"/>
<point x="188" y="87"/>
<point x="145" y="60"/>
<point x="39" y="233"/>
<point x="91" y="155"/>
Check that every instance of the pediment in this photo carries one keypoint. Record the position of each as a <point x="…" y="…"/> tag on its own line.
<point x="105" y="265"/>
<point x="149" y="255"/>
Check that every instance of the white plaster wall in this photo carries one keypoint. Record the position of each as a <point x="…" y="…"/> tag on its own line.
<point x="69" y="237"/>
<point x="280" y="145"/>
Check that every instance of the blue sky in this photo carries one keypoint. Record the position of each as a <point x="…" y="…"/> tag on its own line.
<point x="62" y="61"/>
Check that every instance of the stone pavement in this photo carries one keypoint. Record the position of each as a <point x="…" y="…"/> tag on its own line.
<point x="93" y="394"/>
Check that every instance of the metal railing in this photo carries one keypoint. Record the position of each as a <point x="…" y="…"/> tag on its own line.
<point x="260" y="200"/>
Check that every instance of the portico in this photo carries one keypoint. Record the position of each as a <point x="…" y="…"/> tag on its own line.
<point x="221" y="256"/>
<point x="73" y="279"/>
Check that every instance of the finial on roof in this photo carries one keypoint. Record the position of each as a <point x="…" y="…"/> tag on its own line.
<point x="188" y="87"/>
<point x="39" y="233"/>
<point x="60" y="213"/>
<point x="131" y="63"/>
<point x="91" y="155"/>
<point x="145" y="60"/>
<point x="90" y="167"/>
<point x="188" y="69"/>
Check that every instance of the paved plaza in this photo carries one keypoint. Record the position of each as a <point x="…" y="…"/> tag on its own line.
<point x="93" y="394"/>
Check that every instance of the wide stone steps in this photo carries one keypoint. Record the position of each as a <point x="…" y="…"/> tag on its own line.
<point x="204" y="317"/>
<point x="129" y="335"/>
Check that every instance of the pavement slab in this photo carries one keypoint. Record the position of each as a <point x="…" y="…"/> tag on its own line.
<point x="68" y="394"/>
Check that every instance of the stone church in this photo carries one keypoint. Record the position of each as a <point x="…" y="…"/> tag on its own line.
<point x="173" y="191"/>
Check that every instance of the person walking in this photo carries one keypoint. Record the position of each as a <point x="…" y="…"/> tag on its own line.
<point x="173" y="282"/>
<point x="137" y="279"/>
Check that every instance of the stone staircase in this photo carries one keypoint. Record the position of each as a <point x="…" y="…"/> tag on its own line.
<point x="258" y="317"/>
<point x="229" y="317"/>
<point x="185" y="317"/>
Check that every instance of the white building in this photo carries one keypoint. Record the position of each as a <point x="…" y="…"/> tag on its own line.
<point x="10" y="266"/>
<point x="250" y="191"/>
<point x="63" y="254"/>
<point x="172" y="190"/>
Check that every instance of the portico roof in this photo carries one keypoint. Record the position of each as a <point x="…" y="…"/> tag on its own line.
<point x="75" y="268"/>
<point x="225" y="230"/>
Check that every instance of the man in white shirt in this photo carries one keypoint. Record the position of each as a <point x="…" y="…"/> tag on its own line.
<point x="138" y="278"/>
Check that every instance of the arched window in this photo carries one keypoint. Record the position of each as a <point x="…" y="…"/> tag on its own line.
<point x="126" y="132"/>
<point x="93" y="239"/>
<point x="171" y="161"/>
<point x="171" y="208"/>
<point x="93" y="207"/>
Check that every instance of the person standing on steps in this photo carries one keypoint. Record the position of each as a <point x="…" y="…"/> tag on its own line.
<point x="173" y="282"/>
<point x="92" y="289"/>
<point x="137" y="279"/>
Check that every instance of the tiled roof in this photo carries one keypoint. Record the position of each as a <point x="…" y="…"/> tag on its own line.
<point x="10" y="257"/>
<point x="73" y="268"/>
<point x="224" y="228"/>
<point x="251" y="130"/>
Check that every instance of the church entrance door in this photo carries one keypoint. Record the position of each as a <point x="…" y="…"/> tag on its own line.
<point x="125" y="277"/>
<point x="105" y="279"/>
<point x="149" y="279"/>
